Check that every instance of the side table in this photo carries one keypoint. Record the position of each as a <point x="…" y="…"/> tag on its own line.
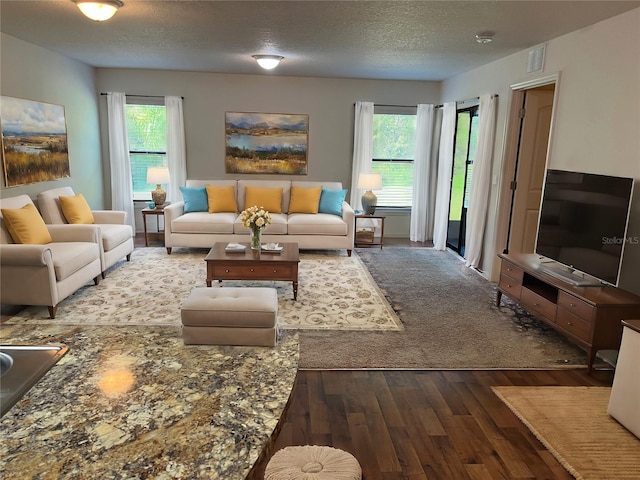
<point x="158" y="212"/>
<point x="368" y="238"/>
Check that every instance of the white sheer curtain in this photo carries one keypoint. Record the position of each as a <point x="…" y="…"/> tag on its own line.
<point x="362" y="148"/>
<point x="480" y="180"/>
<point x="420" y="211"/>
<point x="176" y="150"/>
<point x="121" y="183"/>
<point x="443" y="188"/>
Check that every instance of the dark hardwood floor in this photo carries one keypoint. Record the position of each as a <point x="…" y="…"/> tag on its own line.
<point x="422" y="424"/>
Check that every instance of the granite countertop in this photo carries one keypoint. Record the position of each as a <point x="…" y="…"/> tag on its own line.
<point x="135" y="402"/>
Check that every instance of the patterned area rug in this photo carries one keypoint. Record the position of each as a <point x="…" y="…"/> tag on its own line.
<point x="573" y="423"/>
<point x="335" y="292"/>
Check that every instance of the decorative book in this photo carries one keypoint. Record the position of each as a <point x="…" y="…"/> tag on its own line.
<point x="234" y="247"/>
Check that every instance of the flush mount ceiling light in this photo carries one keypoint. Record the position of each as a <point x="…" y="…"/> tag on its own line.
<point x="100" y="10"/>
<point x="268" y="62"/>
<point x="484" y="37"/>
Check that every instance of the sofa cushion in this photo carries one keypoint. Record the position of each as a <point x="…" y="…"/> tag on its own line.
<point x="25" y="225"/>
<point x="278" y="225"/>
<point x="222" y="199"/>
<point x="284" y="184"/>
<point x="318" y="224"/>
<point x="114" y="234"/>
<point x="195" y="199"/>
<point x="69" y="257"/>
<point x="204" y="222"/>
<point x="305" y="200"/>
<point x="270" y="199"/>
<point x="76" y="209"/>
<point x="331" y="201"/>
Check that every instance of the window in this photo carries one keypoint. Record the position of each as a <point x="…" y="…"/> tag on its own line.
<point x="147" y="133"/>
<point x="466" y="140"/>
<point x="393" y="153"/>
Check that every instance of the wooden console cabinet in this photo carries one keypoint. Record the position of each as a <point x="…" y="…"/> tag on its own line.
<point x="589" y="316"/>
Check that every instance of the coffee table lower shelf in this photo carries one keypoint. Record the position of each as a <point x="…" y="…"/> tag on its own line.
<point x="254" y="265"/>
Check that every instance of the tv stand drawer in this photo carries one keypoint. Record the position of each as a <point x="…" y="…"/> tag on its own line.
<point x="510" y="286"/>
<point x="510" y="270"/>
<point x="576" y="306"/>
<point x="538" y="304"/>
<point x="576" y="326"/>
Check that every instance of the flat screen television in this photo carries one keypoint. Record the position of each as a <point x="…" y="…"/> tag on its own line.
<point x="583" y="225"/>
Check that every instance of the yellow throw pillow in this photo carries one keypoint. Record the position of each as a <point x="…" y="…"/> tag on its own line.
<point x="76" y="209"/>
<point x="25" y="225"/>
<point x="268" y="198"/>
<point x="222" y="199"/>
<point x="305" y="200"/>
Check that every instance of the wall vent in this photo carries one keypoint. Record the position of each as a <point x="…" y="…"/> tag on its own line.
<point x="535" y="62"/>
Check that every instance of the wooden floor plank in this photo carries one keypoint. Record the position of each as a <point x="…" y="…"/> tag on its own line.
<point x="422" y="424"/>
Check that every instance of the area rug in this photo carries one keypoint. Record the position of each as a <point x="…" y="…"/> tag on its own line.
<point x="335" y="292"/>
<point x="572" y="422"/>
<point x="450" y="319"/>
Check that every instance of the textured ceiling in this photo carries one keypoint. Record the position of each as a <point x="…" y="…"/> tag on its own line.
<point x="419" y="40"/>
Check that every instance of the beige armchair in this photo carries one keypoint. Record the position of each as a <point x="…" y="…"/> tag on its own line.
<point x="47" y="274"/>
<point x="116" y="235"/>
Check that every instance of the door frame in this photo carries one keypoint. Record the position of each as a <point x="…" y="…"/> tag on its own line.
<point x="511" y="147"/>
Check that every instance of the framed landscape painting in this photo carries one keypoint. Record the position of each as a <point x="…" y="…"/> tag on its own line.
<point x="266" y="143"/>
<point x="34" y="141"/>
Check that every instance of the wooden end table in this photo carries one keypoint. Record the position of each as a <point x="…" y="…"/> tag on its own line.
<point x="158" y="212"/>
<point x="372" y="239"/>
<point x="254" y="264"/>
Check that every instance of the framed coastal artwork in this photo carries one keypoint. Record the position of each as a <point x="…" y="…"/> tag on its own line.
<point x="34" y="141"/>
<point x="266" y="143"/>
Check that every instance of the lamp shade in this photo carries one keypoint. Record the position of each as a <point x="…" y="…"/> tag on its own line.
<point x="158" y="175"/>
<point x="370" y="181"/>
<point x="99" y="10"/>
<point x="268" y="62"/>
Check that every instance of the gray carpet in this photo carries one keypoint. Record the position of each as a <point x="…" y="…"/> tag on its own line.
<point x="450" y="319"/>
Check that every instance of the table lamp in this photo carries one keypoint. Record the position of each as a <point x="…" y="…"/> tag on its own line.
<point x="368" y="182"/>
<point x="159" y="176"/>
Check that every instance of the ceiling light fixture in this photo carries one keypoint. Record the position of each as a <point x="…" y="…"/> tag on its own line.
<point x="268" y="62"/>
<point x="484" y="37"/>
<point x="100" y="10"/>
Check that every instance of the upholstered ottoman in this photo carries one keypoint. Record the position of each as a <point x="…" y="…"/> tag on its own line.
<point x="230" y="316"/>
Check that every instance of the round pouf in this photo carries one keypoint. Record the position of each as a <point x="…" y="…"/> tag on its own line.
<point x="312" y="462"/>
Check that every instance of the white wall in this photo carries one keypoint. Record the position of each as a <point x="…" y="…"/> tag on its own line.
<point x="597" y="117"/>
<point x="35" y="73"/>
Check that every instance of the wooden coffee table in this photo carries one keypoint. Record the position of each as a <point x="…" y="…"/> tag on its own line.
<point x="254" y="265"/>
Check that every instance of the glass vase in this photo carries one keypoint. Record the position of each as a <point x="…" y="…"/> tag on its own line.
<point x="256" y="238"/>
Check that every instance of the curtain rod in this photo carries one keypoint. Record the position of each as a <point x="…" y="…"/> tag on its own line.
<point x="143" y="96"/>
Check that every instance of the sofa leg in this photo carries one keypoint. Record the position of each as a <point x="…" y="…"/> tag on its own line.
<point x="96" y="280"/>
<point x="129" y="258"/>
<point x="52" y="311"/>
<point x="168" y="250"/>
<point x="104" y="275"/>
<point x="348" y="253"/>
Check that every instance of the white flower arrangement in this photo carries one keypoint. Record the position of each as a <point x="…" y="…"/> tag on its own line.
<point x="255" y="218"/>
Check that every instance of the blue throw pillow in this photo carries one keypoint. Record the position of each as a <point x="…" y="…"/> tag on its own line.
<point x="195" y="199"/>
<point x="331" y="201"/>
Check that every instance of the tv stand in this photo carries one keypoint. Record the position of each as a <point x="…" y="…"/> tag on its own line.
<point x="589" y="316"/>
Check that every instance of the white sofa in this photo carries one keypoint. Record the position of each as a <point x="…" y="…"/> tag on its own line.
<point x="310" y="231"/>
<point x="116" y="236"/>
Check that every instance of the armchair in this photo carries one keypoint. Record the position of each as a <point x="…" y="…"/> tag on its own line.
<point x="47" y="274"/>
<point x="116" y="237"/>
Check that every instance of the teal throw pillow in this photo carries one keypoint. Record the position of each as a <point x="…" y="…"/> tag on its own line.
<point x="195" y="199"/>
<point x="331" y="201"/>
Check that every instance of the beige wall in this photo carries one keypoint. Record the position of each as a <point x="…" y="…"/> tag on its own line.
<point x="328" y="102"/>
<point x="34" y="73"/>
<point x="597" y="118"/>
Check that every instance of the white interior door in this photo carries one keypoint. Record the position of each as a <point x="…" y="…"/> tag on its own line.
<point x="532" y="160"/>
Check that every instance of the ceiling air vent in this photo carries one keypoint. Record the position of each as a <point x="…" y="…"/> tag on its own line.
<point x="535" y="62"/>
